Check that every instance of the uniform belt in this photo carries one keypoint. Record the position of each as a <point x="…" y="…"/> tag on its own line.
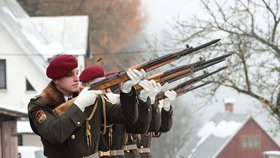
<point x="111" y="153"/>
<point x="130" y="147"/>
<point x="144" y="150"/>
<point x="95" y="155"/>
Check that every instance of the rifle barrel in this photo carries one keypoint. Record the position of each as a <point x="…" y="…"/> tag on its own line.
<point x="148" y="66"/>
<point x="185" y="90"/>
<point x="188" y="83"/>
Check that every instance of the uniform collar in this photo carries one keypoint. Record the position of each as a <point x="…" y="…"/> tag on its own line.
<point x="66" y="98"/>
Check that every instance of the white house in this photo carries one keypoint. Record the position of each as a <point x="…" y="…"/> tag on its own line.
<point x="26" y="45"/>
<point x="21" y="64"/>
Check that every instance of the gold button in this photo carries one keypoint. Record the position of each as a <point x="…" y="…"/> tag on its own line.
<point x="78" y="123"/>
<point x="73" y="136"/>
<point x="149" y="109"/>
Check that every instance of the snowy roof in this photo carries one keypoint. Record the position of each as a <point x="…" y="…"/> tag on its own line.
<point x="23" y="127"/>
<point x="275" y="153"/>
<point x="17" y="23"/>
<point x="13" y="111"/>
<point x="44" y="37"/>
<point x="213" y="135"/>
<point x="217" y="132"/>
<point x="65" y="33"/>
<point x="229" y="100"/>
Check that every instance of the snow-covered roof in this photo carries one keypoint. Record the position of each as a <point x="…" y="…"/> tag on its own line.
<point x="13" y="111"/>
<point x="65" y="33"/>
<point x="43" y="37"/>
<point x="229" y="100"/>
<point x="213" y="135"/>
<point x="17" y="23"/>
<point x="274" y="153"/>
<point x="216" y="134"/>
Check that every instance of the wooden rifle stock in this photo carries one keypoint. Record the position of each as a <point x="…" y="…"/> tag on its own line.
<point x="183" y="71"/>
<point x="122" y="76"/>
<point x="60" y="109"/>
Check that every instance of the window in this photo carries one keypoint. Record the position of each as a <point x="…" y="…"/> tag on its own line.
<point x="3" y="84"/>
<point x="29" y="87"/>
<point x="250" y="142"/>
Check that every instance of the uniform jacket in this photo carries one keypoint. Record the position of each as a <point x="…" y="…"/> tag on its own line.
<point x="135" y="130"/>
<point x="119" y="130"/>
<point x="64" y="136"/>
<point x="161" y="122"/>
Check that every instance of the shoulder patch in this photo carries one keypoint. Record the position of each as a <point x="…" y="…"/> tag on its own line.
<point x="40" y="116"/>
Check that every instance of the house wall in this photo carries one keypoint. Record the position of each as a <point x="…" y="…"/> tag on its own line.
<point x="18" y="67"/>
<point x="8" y="139"/>
<point x="233" y="149"/>
<point x="31" y="140"/>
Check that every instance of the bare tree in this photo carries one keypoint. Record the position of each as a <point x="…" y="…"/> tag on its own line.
<point x="250" y="30"/>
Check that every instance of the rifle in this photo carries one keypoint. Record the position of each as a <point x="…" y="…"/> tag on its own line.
<point x="122" y="76"/>
<point x="183" y="87"/>
<point x="148" y="66"/>
<point x="183" y="71"/>
<point x="185" y="90"/>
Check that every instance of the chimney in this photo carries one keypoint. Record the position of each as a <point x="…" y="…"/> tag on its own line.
<point x="229" y="102"/>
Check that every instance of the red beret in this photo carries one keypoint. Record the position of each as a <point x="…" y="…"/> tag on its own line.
<point x="92" y="73"/>
<point x="110" y="73"/>
<point x="61" y="65"/>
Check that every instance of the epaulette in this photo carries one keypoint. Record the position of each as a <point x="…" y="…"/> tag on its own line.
<point x="31" y="105"/>
<point x="36" y="97"/>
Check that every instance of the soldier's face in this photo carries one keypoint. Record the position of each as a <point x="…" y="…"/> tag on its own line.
<point x="69" y="83"/>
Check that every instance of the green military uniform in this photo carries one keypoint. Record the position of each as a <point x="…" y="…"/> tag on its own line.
<point x="134" y="131"/>
<point x="161" y="122"/>
<point x="64" y="136"/>
<point x="112" y="144"/>
<point x="131" y="150"/>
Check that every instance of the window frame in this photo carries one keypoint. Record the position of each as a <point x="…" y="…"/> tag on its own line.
<point x="5" y="73"/>
<point x="250" y="138"/>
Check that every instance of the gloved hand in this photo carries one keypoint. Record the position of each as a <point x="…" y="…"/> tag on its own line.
<point x="113" y="98"/>
<point x="87" y="98"/>
<point x="150" y="89"/>
<point x="135" y="77"/>
<point x="144" y="93"/>
<point x="155" y="90"/>
<point x="171" y="95"/>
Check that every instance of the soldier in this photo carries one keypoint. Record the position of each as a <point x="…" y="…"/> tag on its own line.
<point x="91" y="74"/>
<point x="75" y="134"/>
<point x="131" y="150"/>
<point x="161" y="122"/>
<point x="112" y="142"/>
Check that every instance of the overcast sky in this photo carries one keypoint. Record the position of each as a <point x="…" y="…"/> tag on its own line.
<point x="161" y="12"/>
